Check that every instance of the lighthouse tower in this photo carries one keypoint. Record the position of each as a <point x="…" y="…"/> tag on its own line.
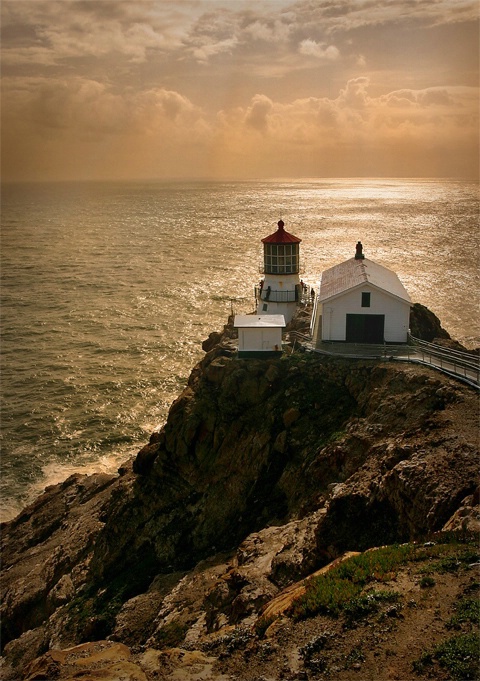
<point x="280" y="291"/>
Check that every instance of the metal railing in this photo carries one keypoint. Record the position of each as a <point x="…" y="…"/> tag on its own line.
<point x="464" y="365"/>
<point x="275" y="296"/>
<point x="452" y="361"/>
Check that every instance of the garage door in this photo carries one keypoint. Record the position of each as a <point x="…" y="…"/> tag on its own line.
<point x="365" y="328"/>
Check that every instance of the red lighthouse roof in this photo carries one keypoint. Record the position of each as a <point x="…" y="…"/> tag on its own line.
<point x="281" y="236"/>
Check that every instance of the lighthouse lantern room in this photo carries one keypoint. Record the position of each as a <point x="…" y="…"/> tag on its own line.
<point x="280" y="290"/>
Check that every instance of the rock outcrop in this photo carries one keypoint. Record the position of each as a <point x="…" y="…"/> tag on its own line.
<point x="264" y="472"/>
<point x="425" y="324"/>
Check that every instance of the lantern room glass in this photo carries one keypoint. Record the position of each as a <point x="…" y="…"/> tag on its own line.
<point x="281" y="258"/>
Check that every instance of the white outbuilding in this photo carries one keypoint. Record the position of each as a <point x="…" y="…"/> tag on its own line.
<point x="259" y="335"/>
<point x="360" y="301"/>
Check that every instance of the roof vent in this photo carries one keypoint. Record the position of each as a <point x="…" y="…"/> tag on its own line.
<point x="359" y="251"/>
<point x="280" y="224"/>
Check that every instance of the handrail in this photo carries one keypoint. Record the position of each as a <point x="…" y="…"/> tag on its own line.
<point x="461" y="353"/>
<point x="276" y="296"/>
<point x="455" y="357"/>
<point x="449" y="358"/>
<point x="462" y="365"/>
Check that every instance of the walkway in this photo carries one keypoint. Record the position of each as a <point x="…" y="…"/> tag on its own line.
<point x="461" y="365"/>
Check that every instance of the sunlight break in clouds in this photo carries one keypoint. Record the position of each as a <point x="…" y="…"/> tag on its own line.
<point x="235" y="88"/>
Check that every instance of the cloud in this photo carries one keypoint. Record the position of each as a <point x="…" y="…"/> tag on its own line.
<point x="355" y="95"/>
<point x="435" y="126"/>
<point x="257" y="114"/>
<point x="349" y="15"/>
<point x="271" y="31"/>
<point x="320" y="51"/>
<point x="85" y="107"/>
<point x="418" y="98"/>
<point x="240" y="86"/>
<point x="211" y="48"/>
<point x="64" y="30"/>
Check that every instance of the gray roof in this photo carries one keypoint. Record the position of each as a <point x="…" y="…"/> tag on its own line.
<point x="264" y="321"/>
<point x="355" y="273"/>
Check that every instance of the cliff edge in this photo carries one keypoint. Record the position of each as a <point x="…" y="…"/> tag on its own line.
<point x="264" y="473"/>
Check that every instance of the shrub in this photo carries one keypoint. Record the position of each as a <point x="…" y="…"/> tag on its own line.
<point x="468" y="610"/>
<point x="339" y="589"/>
<point x="355" y="655"/>
<point x="454" y="562"/>
<point x="426" y="582"/>
<point x="378" y="564"/>
<point x="367" y="604"/>
<point x="325" y="594"/>
<point x="459" y="655"/>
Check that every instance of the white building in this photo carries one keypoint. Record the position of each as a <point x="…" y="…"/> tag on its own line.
<point x="360" y="301"/>
<point x="259" y="336"/>
<point x="280" y="291"/>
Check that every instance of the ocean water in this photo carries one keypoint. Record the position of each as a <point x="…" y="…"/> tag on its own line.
<point x="108" y="290"/>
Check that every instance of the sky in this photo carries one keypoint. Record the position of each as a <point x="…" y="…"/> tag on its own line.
<point x="239" y="89"/>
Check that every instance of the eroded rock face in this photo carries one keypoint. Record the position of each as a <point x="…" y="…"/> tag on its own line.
<point x="264" y="472"/>
<point x="102" y="659"/>
<point x="47" y="549"/>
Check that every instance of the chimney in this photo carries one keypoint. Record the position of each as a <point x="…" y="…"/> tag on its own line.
<point x="358" y="251"/>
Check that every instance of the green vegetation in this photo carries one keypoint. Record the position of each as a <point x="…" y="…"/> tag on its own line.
<point x="326" y="595"/>
<point x="367" y="604"/>
<point x="355" y="655"/>
<point x="340" y="589"/>
<point x="95" y="610"/>
<point x="459" y="655"/>
<point x="378" y="564"/>
<point x="468" y="611"/>
<point x="457" y="560"/>
<point x="427" y="581"/>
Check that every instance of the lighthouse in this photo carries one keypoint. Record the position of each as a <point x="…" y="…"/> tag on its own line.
<point x="280" y="291"/>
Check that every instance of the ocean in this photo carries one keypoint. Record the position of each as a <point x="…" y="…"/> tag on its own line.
<point x="109" y="288"/>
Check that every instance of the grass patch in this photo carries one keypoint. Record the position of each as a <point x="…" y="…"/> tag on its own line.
<point x="468" y="611"/>
<point x="459" y="655"/>
<point x="455" y="562"/>
<point x="426" y="582"/>
<point x="377" y="565"/>
<point x="367" y="604"/>
<point x="340" y="589"/>
<point x="326" y="595"/>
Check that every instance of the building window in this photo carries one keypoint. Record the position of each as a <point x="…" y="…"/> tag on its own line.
<point x="365" y="299"/>
<point x="265" y="307"/>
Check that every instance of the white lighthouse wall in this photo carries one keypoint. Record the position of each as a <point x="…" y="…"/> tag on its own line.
<point x="334" y="314"/>
<point x="260" y="340"/>
<point x="279" y="284"/>
<point x="269" y="307"/>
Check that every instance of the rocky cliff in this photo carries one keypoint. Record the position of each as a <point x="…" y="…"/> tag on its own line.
<point x="264" y="472"/>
